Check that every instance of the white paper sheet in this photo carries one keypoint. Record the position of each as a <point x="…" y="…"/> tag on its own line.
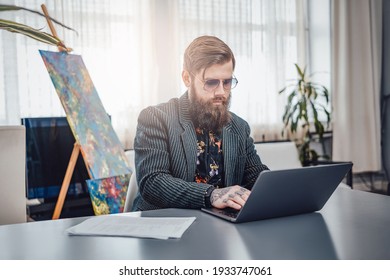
<point x="144" y="227"/>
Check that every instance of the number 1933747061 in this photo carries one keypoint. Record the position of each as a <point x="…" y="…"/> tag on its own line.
<point x="242" y="270"/>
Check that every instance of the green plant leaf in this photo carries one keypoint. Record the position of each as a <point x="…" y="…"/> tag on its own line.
<point x="309" y="90"/>
<point x="282" y="90"/>
<point x="300" y="72"/>
<point x="313" y="156"/>
<point x="325" y="93"/>
<point x="322" y="90"/>
<point x="291" y="97"/>
<point x="302" y="109"/>
<point x="287" y="120"/>
<point x="319" y="129"/>
<point x="4" y="8"/>
<point x="327" y="113"/>
<point x="294" y="126"/>
<point x="30" y="32"/>
<point x="325" y="110"/>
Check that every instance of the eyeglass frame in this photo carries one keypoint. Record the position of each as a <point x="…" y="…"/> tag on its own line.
<point x="233" y="78"/>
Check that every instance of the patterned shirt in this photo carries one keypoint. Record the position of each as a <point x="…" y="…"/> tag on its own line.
<point x="210" y="158"/>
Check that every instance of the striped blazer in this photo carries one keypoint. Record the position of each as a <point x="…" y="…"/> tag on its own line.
<point x="166" y="153"/>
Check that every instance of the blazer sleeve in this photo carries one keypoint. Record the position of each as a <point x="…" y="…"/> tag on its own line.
<point x="156" y="137"/>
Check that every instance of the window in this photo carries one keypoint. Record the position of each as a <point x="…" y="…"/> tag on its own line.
<point x="133" y="50"/>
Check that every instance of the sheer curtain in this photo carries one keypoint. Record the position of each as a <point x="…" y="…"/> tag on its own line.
<point x="133" y="50"/>
<point x="356" y="74"/>
<point x="266" y="38"/>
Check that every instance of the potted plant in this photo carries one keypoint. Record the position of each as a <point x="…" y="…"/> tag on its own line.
<point x="31" y="32"/>
<point x="305" y="101"/>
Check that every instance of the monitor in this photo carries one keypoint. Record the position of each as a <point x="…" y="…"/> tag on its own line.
<point x="49" y="145"/>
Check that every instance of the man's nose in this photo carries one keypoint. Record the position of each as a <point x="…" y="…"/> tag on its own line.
<point x="219" y="90"/>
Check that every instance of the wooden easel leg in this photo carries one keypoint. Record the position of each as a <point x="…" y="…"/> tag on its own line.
<point x="52" y="29"/>
<point x="66" y="181"/>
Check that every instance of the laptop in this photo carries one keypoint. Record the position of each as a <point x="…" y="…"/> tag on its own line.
<point x="279" y="193"/>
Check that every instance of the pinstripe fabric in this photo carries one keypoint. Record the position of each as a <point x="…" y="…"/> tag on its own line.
<point x="165" y="157"/>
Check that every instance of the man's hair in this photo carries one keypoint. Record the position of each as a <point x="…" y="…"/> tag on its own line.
<point x="206" y="51"/>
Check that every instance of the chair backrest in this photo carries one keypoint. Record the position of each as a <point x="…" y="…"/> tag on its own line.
<point x="132" y="191"/>
<point x="279" y="155"/>
<point x="12" y="174"/>
<point x="133" y="186"/>
<point x="130" y="158"/>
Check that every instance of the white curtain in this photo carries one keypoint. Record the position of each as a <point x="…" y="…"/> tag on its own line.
<point x="356" y="75"/>
<point x="266" y="37"/>
<point x="133" y="50"/>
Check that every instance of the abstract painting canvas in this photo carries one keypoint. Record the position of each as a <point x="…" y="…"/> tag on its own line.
<point x="108" y="195"/>
<point x="90" y="124"/>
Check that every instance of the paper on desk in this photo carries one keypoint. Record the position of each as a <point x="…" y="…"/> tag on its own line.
<point x="122" y="225"/>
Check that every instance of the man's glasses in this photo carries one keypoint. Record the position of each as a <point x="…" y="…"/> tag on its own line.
<point x="212" y="84"/>
<point x="228" y="84"/>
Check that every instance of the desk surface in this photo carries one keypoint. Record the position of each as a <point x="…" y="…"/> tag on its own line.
<point x="352" y="225"/>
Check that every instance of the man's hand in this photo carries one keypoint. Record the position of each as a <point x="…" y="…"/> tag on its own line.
<point x="234" y="197"/>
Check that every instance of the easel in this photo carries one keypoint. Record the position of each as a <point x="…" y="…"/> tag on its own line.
<point x="76" y="148"/>
<point x="53" y="31"/>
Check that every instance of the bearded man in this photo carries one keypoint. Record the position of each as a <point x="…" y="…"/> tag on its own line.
<point x="192" y="152"/>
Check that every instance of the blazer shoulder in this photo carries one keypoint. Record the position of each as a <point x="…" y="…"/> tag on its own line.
<point x="166" y="110"/>
<point x="238" y="124"/>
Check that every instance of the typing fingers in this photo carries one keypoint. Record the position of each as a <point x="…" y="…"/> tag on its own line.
<point x="234" y="197"/>
<point x="243" y="195"/>
<point x="238" y="198"/>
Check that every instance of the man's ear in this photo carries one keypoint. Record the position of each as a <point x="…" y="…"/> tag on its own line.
<point x="185" y="75"/>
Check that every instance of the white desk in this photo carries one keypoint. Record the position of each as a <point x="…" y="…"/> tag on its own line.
<point x="352" y="225"/>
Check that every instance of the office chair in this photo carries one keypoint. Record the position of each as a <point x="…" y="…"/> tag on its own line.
<point x="131" y="193"/>
<point x="12" y="174"/>
<point x="278" y="155"/>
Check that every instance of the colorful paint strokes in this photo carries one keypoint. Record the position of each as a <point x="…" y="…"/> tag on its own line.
<point x="90" y="124"/>
<point x="108" y="195"/>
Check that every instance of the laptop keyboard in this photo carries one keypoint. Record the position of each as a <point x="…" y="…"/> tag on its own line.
<point x="229" y="212"/>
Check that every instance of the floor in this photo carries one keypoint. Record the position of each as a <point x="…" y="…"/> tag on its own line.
<point x="371" y="182"/>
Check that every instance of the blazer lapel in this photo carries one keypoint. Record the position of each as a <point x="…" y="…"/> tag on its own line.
<point x="188" y="136"/>
<point x="230" y="149"/>
<point x="190" y="150"/>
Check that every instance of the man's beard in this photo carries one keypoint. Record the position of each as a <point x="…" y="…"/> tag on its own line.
<point x="206" y="115"/>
